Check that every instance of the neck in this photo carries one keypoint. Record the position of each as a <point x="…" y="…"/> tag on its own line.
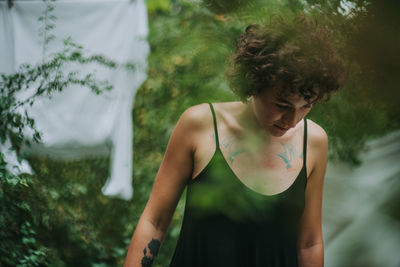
<point x="250" y="125"/>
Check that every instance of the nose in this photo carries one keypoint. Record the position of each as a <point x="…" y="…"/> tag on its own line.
<point x="290" y="118"/>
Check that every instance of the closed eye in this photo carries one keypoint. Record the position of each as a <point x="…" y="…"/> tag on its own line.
<point x="282" y="106"/>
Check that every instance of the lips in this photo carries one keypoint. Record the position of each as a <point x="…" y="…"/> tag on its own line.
<point x="281" y="128"/>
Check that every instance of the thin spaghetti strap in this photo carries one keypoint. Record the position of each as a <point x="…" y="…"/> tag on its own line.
<point x="305" y="142"/>
<point x="215" y="125"/>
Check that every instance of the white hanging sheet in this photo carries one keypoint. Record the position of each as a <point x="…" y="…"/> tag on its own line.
<point x="77" y="123"/>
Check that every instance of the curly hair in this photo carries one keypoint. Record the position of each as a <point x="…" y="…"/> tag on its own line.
<point x="298" y="55"/>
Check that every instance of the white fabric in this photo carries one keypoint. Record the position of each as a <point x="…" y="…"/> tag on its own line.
<point x="77" y="123"/>
<point x="358" y="230"/>
<point x="13" y="165"/>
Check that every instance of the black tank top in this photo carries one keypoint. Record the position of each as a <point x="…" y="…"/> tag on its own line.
<point x="228" y="224"/>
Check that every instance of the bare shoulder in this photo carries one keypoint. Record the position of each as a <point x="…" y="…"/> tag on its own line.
<point x="194" y="122"/>
<point x="196" y="117"/>
<point x="316" y="135"/>
<point x="317" y="146"/>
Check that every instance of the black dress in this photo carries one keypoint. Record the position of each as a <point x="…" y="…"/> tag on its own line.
<point x="228" y="224"/>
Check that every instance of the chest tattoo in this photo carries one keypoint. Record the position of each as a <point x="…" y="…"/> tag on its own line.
<point x="233" y="148"/>
<point x="230" y="145"/>
<point x="288" y="155"/>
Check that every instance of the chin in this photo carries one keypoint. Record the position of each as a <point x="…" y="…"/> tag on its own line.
<point x="277" y="132"/>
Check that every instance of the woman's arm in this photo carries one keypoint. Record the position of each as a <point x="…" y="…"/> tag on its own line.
<point x="174" y="172"/>
<point x="310" y="242"/>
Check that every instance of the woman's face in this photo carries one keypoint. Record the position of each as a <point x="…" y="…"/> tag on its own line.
<point x="277" y="114"/>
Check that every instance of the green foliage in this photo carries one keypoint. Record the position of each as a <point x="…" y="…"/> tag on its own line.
<point x="367" y="35"/>
<point x="60" y="219"/>
<point x="48" y="25"/>
<point x="158" y="5"/>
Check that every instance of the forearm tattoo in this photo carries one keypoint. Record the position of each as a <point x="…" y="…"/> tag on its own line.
<point x="153" y="246"/>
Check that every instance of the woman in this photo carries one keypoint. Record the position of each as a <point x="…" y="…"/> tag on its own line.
<point x="254" y="169"/>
